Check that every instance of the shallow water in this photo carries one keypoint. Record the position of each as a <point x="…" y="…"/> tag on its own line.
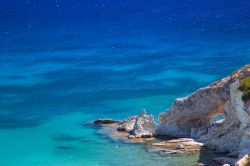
<point x="65" y="63"/>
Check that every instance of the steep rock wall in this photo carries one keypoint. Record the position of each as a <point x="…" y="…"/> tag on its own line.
<point x="190" y="116"/>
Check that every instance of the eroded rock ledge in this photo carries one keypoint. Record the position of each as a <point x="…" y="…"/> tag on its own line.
<point x="191" y="116"/>
<point x="142" y="129"/>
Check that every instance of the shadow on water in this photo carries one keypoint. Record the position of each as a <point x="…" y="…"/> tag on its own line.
<point x="68" y="138"/>
<point x="208" y="157"/>
<point x="64" y="147"/>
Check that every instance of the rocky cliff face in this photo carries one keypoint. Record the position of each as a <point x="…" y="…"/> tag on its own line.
<point x="191" y="116"/>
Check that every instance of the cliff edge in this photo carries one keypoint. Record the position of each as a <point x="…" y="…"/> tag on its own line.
<point x="192" y="116"/>
<point x="195" y="116"/>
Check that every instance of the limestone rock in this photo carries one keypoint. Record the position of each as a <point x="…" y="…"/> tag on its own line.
<point x="144" y="126"/>
<point x="127" y="125"/>
<point x="131" y="137"/>
<point x="179" y="146"/>
<point x="244" y="161"/>
<point x="191" y="116"/>
<point x="224" y="160"/>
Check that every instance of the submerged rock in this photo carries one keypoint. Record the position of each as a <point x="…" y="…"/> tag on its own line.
<point x="105" y="121"/>
<point x="64" y="147"/>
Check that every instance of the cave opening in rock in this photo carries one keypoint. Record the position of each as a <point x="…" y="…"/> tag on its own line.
<point x="217" y="119"/>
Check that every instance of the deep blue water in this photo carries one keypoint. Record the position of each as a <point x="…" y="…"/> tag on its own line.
<point x="67" y="62"/>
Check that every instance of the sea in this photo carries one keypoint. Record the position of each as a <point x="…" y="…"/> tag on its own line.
<point x="65" y="63"/>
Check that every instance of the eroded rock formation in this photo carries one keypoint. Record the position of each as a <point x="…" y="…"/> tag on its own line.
<point x="141" y="126"/>
<point x="191" y="117"/>
<point x="144" y="126"/>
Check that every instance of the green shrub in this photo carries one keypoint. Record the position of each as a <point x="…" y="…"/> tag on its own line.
<point x="245" y="88"/>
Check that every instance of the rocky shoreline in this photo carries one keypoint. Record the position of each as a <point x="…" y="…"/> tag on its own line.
<point x="188" y="126"/>
<point x="163" y="145"/>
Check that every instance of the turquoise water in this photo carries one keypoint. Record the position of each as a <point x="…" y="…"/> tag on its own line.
<point x="66" y="63"/>
<point x="62" y="141"/>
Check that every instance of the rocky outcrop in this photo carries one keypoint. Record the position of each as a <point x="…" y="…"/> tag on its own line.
<point x="144" y="125"/>
<point x="104" y="121"/>
<point x="244" y="161"/>
<point x="227" y="135"/>
<point x="191" y="116"/>
<point x="176" y="146"/>
<point x="127" y="125"/>
<point x="141" y="126"/>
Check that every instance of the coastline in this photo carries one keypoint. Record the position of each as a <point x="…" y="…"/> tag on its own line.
<point x="180" y="132"/>
<point x="168" y="146"/>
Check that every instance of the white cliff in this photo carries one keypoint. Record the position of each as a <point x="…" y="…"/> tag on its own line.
<point x="191" y="117"/>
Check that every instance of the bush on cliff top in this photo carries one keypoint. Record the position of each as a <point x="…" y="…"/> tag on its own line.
<point x="245" y="88"/>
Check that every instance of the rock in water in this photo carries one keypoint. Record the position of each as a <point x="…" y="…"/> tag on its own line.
<point x="104" y="121"/>
<point x="144" y="126"/>
<point x="127" y="125"/>
<point x="131" y="137"/>
<point x="137" y="129"/>
<point x="179" y="146"/>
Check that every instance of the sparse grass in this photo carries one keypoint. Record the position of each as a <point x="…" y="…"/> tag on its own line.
<point x="245" y="88"/>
